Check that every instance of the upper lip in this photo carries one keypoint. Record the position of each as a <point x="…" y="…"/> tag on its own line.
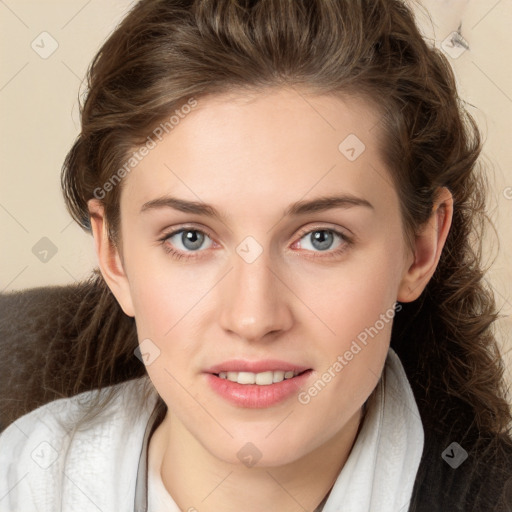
<point x="240" y="365"/>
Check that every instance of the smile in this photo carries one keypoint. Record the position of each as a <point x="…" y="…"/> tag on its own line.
<point x="258" y="390"/>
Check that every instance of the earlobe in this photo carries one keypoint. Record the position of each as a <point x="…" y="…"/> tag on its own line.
<point x="428" y="245"/>
<point x="109" y="258"/>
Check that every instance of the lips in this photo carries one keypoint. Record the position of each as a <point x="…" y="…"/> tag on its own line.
<point x="257" y="384"/>
<point x="268" y="365"/>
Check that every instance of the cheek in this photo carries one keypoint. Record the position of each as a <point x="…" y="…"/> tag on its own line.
<point x="351" y="296"/>
<point x="355" y="304"/>
<point x="163" y="291"/>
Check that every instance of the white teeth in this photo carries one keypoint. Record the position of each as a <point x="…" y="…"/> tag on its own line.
<point x="278" y="376"/>
<point x="246" y="378"/>
<point x="261" y="379"/>
<point x="232" y="376"/>
<point x="264" y="378"/>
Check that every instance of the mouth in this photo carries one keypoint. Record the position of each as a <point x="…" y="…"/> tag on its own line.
<point x="258" y="384"/>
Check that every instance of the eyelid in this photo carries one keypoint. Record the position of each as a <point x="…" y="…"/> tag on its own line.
<point x="345" y="233"/>
<point x="167" y="233"/>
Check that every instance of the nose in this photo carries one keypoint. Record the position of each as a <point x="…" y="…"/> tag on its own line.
<point x="255" y="300"/>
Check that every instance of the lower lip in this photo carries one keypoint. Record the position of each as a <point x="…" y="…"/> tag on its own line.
<point x="254" y="396"/>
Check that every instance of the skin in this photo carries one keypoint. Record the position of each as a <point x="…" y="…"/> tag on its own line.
<point x="251" y="157"/>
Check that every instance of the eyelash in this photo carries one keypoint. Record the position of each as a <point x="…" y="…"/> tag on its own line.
<point x="178" y="255"/>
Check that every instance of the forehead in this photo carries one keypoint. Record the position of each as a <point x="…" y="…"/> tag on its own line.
<point x="266" y="147"/>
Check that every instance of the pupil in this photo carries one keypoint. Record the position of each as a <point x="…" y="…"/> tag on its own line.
<point x="324" y="239"/>
<point x="192" y="239"/>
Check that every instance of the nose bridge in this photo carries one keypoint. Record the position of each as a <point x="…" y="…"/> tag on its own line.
<point x="254" y="300"/>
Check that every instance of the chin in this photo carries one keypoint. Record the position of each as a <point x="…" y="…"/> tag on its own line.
<point x="251" y="448"/>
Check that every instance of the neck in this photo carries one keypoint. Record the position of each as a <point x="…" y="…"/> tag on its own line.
<point x="197" y="480"/>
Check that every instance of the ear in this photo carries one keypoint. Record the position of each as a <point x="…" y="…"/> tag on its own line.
<point x="109" y="258"/>
<point x="428" y="244"/>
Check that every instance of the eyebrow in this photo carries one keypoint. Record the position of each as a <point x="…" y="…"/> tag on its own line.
<point x="299" y="208"/>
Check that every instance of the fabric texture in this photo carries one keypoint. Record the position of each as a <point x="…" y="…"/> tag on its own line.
<point x="482" y="483"/>
<point x="45" y="466"/>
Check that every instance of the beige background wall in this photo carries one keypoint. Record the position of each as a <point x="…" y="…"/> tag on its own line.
<point x="46" y="46"/>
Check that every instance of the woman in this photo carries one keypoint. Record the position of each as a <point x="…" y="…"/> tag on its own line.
<point x="283" y="196"/>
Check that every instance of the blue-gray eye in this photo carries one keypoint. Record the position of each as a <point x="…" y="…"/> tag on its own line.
<point x="190" y="239"/>
<point x="320" y="239"/>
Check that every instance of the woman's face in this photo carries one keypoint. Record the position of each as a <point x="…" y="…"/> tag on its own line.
<point x="235" y="262"/>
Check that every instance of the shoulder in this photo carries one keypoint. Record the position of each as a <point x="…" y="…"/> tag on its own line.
<point x="47" y="456"/>
<point x="464" y="473"/>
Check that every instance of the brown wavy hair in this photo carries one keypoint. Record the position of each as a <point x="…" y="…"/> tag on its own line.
<point x="167" y="51"/>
